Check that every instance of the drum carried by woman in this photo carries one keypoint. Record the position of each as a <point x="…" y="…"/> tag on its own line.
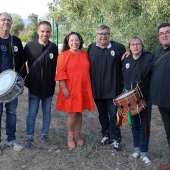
<point x="134" y="104"/>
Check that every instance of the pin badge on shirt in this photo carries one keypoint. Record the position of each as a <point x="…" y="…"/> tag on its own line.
<point x="127" y="65"/>
<point x="112" y="53"/>
<point x="15" y="48"/>
<point x="51" y="55"/>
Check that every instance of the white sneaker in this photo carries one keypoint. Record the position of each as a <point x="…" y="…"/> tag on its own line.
<point x="15" y="145"/>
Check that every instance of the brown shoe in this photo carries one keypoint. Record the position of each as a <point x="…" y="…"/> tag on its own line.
<point x="164" y="167"/>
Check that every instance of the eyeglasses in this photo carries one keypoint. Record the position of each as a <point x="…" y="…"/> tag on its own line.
<point x="103" y="33"/>
<point x="167" y="33"/>
<point x="3" y="20"/>
<point x="137" y="44"/>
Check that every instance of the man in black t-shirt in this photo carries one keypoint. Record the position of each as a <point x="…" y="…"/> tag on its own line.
<point x="11" y="57"/>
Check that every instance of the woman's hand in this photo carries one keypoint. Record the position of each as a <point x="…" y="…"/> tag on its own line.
<point x="66" y="92"/>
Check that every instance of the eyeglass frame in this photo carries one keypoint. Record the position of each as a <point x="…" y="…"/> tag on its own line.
<point x="161" y="34"/>
<point x="105" y="33"/>
<point x="137" y="44"/>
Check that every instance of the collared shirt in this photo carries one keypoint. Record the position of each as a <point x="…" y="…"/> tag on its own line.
<point x="109" y="46"/>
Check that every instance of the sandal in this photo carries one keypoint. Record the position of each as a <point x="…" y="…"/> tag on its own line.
<point x="71" y="142"/>
<point x="135" y="155"/>
<point x="146" y="160"/>
<point x="79" y="141"/>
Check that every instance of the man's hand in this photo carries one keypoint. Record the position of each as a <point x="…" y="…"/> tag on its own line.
<point x="125" y="55"/>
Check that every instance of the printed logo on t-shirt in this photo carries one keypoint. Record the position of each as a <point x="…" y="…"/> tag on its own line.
<point x="3" y="48"/>
<point x="51" y="55"/>
<point x="127" y="65"/>
<point x="112" y="53"/>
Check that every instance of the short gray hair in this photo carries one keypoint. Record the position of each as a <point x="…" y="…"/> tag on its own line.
<point x="102" y="27"/>
<point x="7" y="14"/>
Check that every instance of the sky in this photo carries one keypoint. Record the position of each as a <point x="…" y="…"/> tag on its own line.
<point x="25" y="7"/>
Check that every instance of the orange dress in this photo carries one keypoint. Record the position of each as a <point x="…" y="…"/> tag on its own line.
<point x="74" y="69"/>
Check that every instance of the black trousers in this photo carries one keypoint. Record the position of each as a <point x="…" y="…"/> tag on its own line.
<point x="107" y="117"/>
<point x="165" y="113"/>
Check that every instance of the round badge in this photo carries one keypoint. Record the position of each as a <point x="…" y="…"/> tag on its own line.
<point x="112" y="53"/>
<point x="51" y="55"/>
<point x="127" y="65"/>
<point x="15" y="48"/>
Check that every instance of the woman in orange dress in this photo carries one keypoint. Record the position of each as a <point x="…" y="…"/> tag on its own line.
<point x="75" y="92"/>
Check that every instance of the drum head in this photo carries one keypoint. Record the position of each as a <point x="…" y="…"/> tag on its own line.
<point x="125" y="94"/>
<point x="7" y="79"/>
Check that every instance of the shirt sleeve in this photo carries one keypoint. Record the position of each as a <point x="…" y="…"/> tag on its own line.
<point x="61" y="67"/>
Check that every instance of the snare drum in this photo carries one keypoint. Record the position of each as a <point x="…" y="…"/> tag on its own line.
<point x="131" y="101"/>
<point x="11" y="85"/>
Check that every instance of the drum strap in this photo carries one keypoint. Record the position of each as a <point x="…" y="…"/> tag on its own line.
<point x="41" y="56"/>
<point x="160" y="58"/>
<point x="11" y="50"/>
<point x="38" y="59"/>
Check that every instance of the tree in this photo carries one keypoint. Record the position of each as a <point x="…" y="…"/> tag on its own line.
<point x="30" y="31"/>
<point x="125" y="18"/>
<point x="17" y="25"/>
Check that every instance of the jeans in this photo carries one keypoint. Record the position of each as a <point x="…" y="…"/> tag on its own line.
<point x="108" y="119"/>
<point x="140" y="140"/>
<point x="10" y="119"/>
<point x="32" y="113"/>
<point x="165" y="113"/>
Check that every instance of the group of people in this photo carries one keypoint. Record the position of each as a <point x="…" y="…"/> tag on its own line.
<point x="100" y="73"/>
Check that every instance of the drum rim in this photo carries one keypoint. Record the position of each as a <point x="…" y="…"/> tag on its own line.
<point x="9" y="88"/>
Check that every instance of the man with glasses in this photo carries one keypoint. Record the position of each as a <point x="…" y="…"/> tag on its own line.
<point x="11" y="57"/>
<point x="160" y="82"/>
<point x="106" y="75"/>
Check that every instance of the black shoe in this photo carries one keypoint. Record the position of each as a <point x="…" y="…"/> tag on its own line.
<point x="45" y="140"/>
<point x="28" y="143"/>
<point x="105" y="140"/>
<point x="115" y="144"/>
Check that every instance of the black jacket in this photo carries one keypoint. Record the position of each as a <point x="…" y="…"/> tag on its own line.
<point x="16" y="53"/>
<point x="41" y="79"/>
<point x="105" y="70"/>
<point x="138" y="71"/>
<point x="160" y="82"/>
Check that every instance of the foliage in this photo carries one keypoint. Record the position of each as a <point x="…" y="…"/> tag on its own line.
<point x="30" y="31"/>
<point x="17" y="25"/>
<point x="125" y="18"/>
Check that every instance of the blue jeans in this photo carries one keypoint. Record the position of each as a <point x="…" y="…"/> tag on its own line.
<point x="108" y="119"/>
<point x="140" y="140"/>
<point x="32" y="113"/>
<point x="10" y="119"/>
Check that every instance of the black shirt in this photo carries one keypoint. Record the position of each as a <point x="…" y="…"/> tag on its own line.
<point x="41" y="79"/>
<point x="160" y="82"/>
<point x="105" y="70"/>
<point x="138" y="71"/>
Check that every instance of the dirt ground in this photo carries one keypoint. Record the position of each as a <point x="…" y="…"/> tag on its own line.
<point x="92" y="156"/>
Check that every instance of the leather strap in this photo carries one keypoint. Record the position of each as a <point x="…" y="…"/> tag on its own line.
<point x="161" y="58"/>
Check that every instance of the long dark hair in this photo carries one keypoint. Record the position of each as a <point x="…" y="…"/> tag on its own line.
<point x="66" y="39"/>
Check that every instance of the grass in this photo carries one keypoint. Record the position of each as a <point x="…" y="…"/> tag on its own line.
<point x="92" y="156"/>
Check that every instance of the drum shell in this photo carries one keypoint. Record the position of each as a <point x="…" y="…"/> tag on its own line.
<point x="16" y="88"/>
<point x="132" y="102"/>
